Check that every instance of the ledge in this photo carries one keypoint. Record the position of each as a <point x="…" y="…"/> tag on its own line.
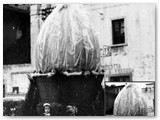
<point x="119" y="45"/>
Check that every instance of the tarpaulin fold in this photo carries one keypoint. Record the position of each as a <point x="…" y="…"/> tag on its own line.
<point x="67" y="41"/>
<point x="130" y="102"/>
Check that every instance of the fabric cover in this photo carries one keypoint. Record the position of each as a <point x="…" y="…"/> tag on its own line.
<point x="130" y="102"/>
<point x="67" y="41"/>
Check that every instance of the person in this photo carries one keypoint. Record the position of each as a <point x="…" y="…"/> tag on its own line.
<point x="47" y="109"/>
<point x="71" y="110"/>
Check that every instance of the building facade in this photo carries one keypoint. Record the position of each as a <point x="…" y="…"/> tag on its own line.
<point x="126" y="35"/>
<point x="127" y="39"/>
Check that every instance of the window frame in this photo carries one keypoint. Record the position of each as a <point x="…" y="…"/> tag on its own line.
<point x="120" y="75"/>
<point x="125" y="31"/>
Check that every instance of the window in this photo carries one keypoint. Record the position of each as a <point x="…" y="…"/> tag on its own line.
<point x="120" y="77"/>
<point x="16" y="35"/>
<point x="118" y="31"/>
<point x="15" y="90"/>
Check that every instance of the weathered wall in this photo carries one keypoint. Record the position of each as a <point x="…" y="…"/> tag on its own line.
<point x="138" y="55"/>
<point x="16" y="76"/>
